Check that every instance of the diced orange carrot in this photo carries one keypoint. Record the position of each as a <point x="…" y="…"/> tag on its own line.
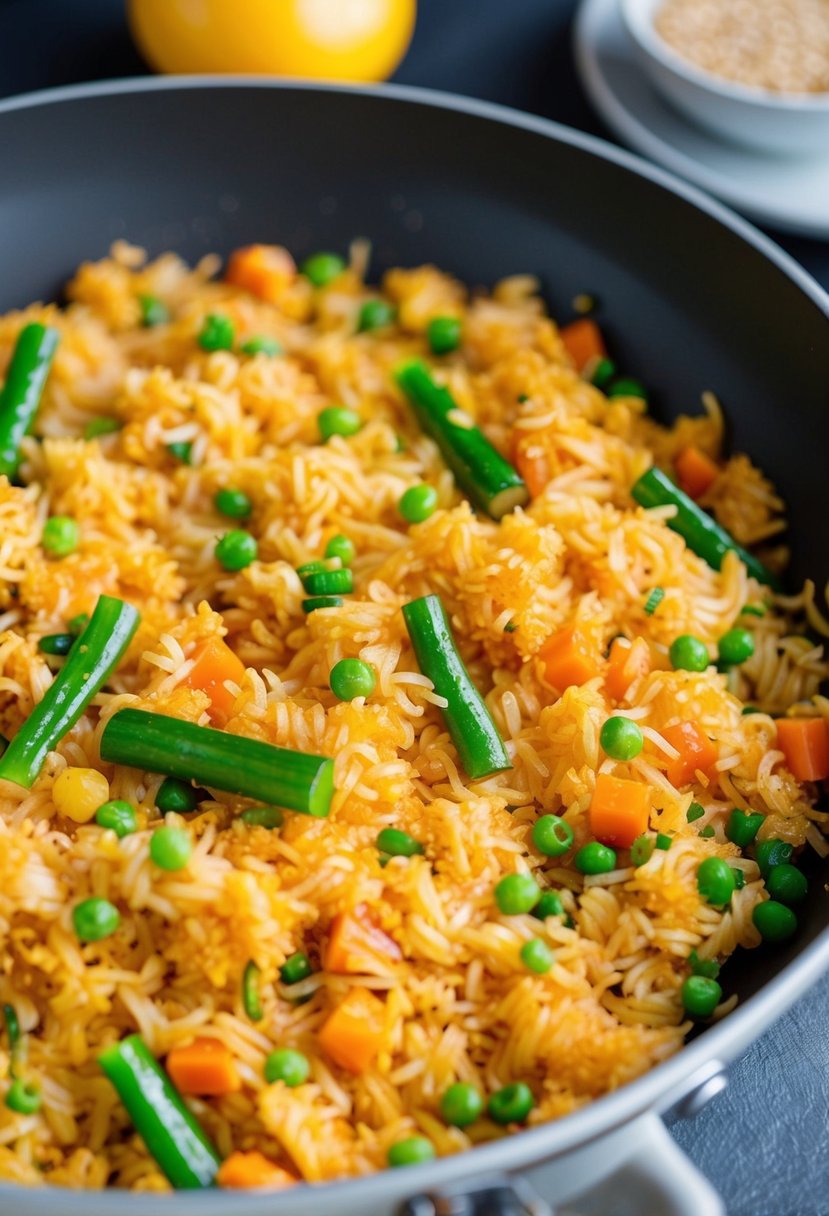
<point x="628" y="661"/>
<point x="696" y="471"/>
<point x="356" y="944"/>
<point x="252" y="1172"/>
<point x="570" y="656"/>
<point x="583" y="342"/>
<point x="619" y="810"/>
<point x="263" y="270"/>
<point x="205" y="1067"/>
<point x="355" y="1031"/>
<point x="696" y="752"/>
<point x="533" y="465"/>
<point x="805" y="744"/>
<point x="213" y="663"/>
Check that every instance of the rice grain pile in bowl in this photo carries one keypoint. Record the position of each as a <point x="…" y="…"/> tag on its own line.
<point x="411" y="563"/>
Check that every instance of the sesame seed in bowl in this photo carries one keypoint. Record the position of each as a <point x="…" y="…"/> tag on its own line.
<point x="755" y="72"/>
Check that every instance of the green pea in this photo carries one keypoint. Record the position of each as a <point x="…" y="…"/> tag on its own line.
<point x="176" y="795"/>
<point x="101" y="426"/>
<point x="769" y="853"/>
<point x="688" y="653"/>
<point x="322" y="268"/>
<point x="236" y="550"/>
<point x="708" y="967"/>
<point x="595" y="858"/>
<point x="694" y="812"/>
<point x="715" y="881"/>
<point x="24" y="1097"/>
<point x="182" y="451"/>
<point x="342" y="547"/>
<point x="700" y="996"/>
<point x="217" y="332"/>
<point x="170" y="848"/>
<point x="642" y="849"/>
<point x="94" y="919"/>
<point x="56" y="643"/>
<point x="550" y="905"/>
<point x="235" y="504"/>
<point x="787" y="884"/>
<point x="621" y="738"/>
<point x="291" y="1067"/>
<point x="338" y="420"/>
<point x="118" y="816"/>
<point x="443" y="335"/>
<point x="735" y="647"/>
<point x="269" y="817"/>
<point x="707" y="832"/>
<point x="61" y="535"/>
<point x="512" y="1104"/>
<point x="516" y="894"/>
<point x="413" y="1151"/>
<point x="552" y="835"/>
<point x="261" y="344"/>
<point x="774" y="921"/>
<point x="418" y="503"/>
<point x="742" y="826"/>
<point x="537" y="956"/>
<point x="352" y="678"/>
<point x="297" y="967"/>
<point x="375" y="314"/>
<point x="627" y="386"/>
<point x="153" y="311"/>
<point x="397" y="843"/>
<point x="461" y="1104"/>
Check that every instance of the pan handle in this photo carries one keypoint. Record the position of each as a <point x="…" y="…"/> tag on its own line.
<point x="656" y="1178"/>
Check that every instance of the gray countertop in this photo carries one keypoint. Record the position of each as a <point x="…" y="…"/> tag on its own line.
<point x="764" y="1142"/>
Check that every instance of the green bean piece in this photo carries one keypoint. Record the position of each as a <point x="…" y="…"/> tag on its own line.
<point x="26" y="376"/>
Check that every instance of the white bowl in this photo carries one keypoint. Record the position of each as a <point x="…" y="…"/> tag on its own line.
<point x="773" y="122"/>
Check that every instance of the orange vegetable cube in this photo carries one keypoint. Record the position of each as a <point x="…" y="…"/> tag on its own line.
<point x="696" y="471"/>
<point x="355" y="1031"/>
<point x="214" y="663"/>
<point x="628" y="661"/>
<point x="583" y="342"/>
<point x="696" y="752"/>
<point x="570" y="656"/>
<point x="252" y="1171"/>
<point x="356" y="945"/>
<point x="619" y="810"/>
<point x="263" y="270"/>
<point x="532" y="463"/>
<point x="805" y="744"/>
<point x="205" y="1067"/>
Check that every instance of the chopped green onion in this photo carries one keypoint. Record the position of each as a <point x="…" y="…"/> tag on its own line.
<point x="626" y="386"/>
<point x="24" y="1097"/>
<point x="20" y="397"/>
<point x="375" y="314"/>
<point x="753" y="610"/>
<point x="469" y="722"/>
<point x="101" y="426"/>
<point x="603" y="372"/>
<point x="161" y="744"/>
<point x="654" y="600"/>
<point x="171" y="1133"/>
<point x="261" y="344"/>
<point x="182" y="452"/>
<point x="695" y="811"/>
<point x="642" y="849"/>
<point x="78" y="623"/>
<point x="322" y="601"/>
<point x="268" y="817"/>
<point x="296" y="968"/>
<point x="707" y="832"/>
<point x="251" y="995"/>
<point x="88" y="666"/>
<point x="217" y="332"/>
<point x="488" y="480"/>
<point x="701" y="533"/>
<point x="329" y="582"/>
<point x="739" y="878"/>
<point x="16" y="1040"/>
<point x="662" y="841"/>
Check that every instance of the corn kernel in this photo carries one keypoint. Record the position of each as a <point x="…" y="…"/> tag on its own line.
<point x="78" y="792"/>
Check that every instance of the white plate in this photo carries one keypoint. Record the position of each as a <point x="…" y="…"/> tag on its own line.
<point x="790" y="193"/>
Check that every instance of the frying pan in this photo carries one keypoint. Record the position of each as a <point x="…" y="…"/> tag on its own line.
<point x="693" y="297"/>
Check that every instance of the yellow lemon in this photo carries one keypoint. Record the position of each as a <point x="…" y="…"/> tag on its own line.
<point x="355" y="40"/>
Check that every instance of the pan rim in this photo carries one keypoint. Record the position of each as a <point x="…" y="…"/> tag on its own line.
<point x="656" y="1089"/>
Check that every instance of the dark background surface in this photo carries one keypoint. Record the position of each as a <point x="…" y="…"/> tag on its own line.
<point x="765" y="1141"/>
